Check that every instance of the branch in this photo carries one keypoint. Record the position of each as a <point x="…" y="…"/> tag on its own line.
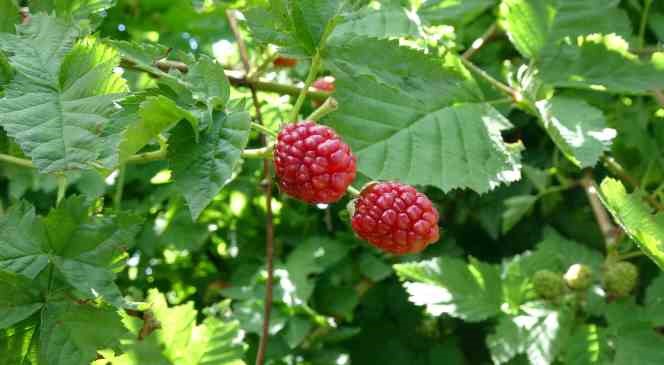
<point x="267" y="186"/>
<point x="609" y="231"/>
<point x="163" y="66"/>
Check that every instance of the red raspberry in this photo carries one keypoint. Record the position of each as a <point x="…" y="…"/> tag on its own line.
<point x="313" y="163"/>
<point x="284" y="62"/>
<point x="324" y="84"/>
<point x="395" y="217"/>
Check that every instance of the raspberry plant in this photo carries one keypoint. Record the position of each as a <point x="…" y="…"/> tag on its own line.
<point x="175" y="177"/>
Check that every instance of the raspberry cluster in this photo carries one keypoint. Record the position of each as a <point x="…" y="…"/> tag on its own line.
<point x="395" y="217"/>
<point x="313" y="164"/>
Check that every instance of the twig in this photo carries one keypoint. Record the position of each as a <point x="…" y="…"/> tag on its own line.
<point x="267" y="186"/>
<point x="489" y="34"/>
<point x="163" y="66"/>
<point x="609" y="231"/>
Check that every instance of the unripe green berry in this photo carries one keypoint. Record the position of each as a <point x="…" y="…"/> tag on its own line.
<point x="620" y="278"/>
<point x="578" y="277"/>
<point x="548" y="284"/>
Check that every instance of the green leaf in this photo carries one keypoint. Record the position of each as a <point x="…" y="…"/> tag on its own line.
<point x="387" y="22"/>
<point x="76" y="9"/>
<point x="17" y="344"/>
<point x="469" y="291"/>
<point x="156" y="114"/>
<point x="23" y="242"/>
<point x="654" y="300"/>
<point x="9" y="16"/>
<point x="409" y="117"/>
<point x="637" y="343"/>
<point x="536" y="25"/>
<point x="141" y="55"/>
<point x="297" y="330"/>
<point x="577" y="128"/>
<point x="313" y="256"/>
<point x="538" y="332"/>
<point x="209" y="82"/>
<point x="66" y="336"/>
<point x="180" y="341"/>
<point x="603" y="63"/>
<point x="202" y="170"/>
<point x="298" y="26"/>
<point x="516" y="208"/>
<point x="636" y="219"/>
<point x="588" y="345"/>
<point x="62" y="96"/>
<point x="18" y="299"/>
<point x="83" y="249"/>
<point x="453" y="12"/>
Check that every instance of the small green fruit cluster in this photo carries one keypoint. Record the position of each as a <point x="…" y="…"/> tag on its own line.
<point x="548" y="284"/>
<point x="620" y="279"/>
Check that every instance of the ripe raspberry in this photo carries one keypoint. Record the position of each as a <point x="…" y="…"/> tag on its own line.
<point x="621" y="278"/>
<point x="313" y="163"/>
<point x="578" y="277"/>
<point x="395" y="218"/>
<point x="548" y="284"/>
<point x="284" y="62"/>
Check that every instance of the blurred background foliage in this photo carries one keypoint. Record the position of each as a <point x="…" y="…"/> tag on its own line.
<point x="337" y="300"/>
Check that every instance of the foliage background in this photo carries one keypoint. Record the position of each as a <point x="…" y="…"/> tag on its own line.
<point x="339" y="301"/>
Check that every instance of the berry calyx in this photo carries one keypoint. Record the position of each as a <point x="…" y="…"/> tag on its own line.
<point x="578" y="277"/>
<point x="548" y="284"/>
<point x="620" y="278"/>
<point x="284" y="62"/>
<point x="395" y="218"/>
<point x="313" y="163"/>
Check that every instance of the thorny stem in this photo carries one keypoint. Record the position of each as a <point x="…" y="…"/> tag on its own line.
<point x="609" y="231"/>
<point x="328" y="107"/>
<point x="313" y="71"/>
<point x="481" y="41"/>
<point x="267" y="186"/>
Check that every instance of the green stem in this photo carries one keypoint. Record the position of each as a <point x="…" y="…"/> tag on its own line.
<point x="146" y="157"/>
<point x="514" y="94"/>
<point x="62" y="188"/>
<point x="328" y="107"/>
<point x="556" y="189"/>
<point x="353" y="191"/>
<point x="16" y="161"/>
<point x="313" y="71"/>
<point x="258" y="153"/>
<point x="644" y="22"/>
<point x="629" y="255"/>
<point x="119" y="188"/>
<point x="262" y="128"/>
